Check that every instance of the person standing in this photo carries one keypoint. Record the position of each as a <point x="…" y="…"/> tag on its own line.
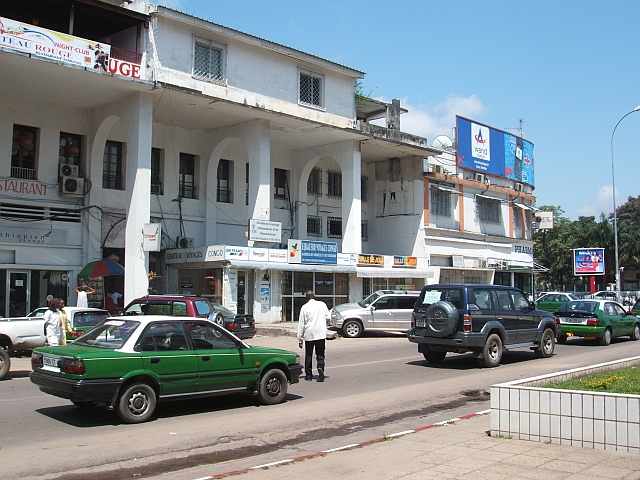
<point x="65" y="324"/>
<point x="83" y="290"/>
<point x="312" y="329"/>
<point x="52" y="327"/>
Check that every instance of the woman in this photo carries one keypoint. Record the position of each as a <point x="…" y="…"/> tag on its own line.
<point x="65" y="324"/>
<point x="52" y="327"/>
<point x="83" y="290"/>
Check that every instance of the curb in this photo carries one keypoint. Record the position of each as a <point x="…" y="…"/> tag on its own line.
<point x="345" y="447"/>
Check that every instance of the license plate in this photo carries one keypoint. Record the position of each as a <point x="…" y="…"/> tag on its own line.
<point x="50" y="363"/>
<point x="420" y="322"/>
<point x="571" y="320"/>
<point x="244" y="325"/>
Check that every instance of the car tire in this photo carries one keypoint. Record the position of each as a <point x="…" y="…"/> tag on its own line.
<point x="84" y="404"/>
<point x="218" y="320"/>
<point x="562" y="339"/>
<point x="5" y="363"/>
<point x="635" y="335"/>
<point x="547" y="344"/>
<point x="442" y="319"/>
<point x="492" y="351"/>
<point x="137" y="403"/>
<point x="433" y="356"/>
<point x="352" y="329"/>
<point x="605" y="339"/>
<point x="273" y="387"/>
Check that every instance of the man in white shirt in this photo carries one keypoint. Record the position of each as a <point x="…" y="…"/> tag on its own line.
<point x="312" y="328"/>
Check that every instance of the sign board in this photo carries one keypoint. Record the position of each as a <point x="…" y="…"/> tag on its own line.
<point x="403" y="261"/>
<point x="312" y="253"/>
<point x="588" y="261"/>
<point x="265" y="231"/>
<point x="371" y="260"/>
<point x="151" y="236"/>
<point x="544" y="220"/>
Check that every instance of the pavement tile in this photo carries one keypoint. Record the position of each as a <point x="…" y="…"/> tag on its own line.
<point x="602" y="471"/>
<point x="566" y="466"/>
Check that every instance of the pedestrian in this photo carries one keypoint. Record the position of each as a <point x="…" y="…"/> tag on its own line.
<point x="312" y="328"/>
<point x="65" y="324"/>
<point x="52" y="327"/>
<point x="83" y="290"/>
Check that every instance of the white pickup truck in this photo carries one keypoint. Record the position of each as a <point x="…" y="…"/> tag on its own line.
<point x="25" y="333"/>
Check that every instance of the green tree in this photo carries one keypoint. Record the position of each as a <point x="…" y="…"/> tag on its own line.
<point x="629" y="233"/>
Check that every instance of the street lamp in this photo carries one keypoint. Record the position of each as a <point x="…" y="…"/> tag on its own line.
<point x="615" y="213"/>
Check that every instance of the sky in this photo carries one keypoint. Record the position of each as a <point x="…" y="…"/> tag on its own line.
<point x="568" y="69"/>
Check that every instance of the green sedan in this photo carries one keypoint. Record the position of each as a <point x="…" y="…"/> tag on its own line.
<point x="130" y="364"/>
<point x="552" y="301"/>
<point x="596" y="320"/>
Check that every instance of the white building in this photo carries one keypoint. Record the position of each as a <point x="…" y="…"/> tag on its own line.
<point x="119" y="114"/>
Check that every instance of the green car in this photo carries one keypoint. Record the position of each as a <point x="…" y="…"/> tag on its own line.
<point x="596" y="320"/>
<point x="130" y="364"/>
<point x="552" y="301"/>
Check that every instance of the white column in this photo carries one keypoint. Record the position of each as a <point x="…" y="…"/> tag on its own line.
<point x="259" y="148"/>
<point x="350" y="163"/>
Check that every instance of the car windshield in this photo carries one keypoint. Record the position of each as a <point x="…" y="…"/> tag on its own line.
<point x="223" y="310"/>
<point x="369" y="300"/>
<point x="572" y="296"/>
<point x="111" y="334"/>
<point x="579" y="306"/>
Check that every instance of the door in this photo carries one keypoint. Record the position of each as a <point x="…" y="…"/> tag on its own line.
<point x="18" y="294"/>
<point x="242" y="291"/>
<point x="383" y="313"/>
<point x="527" y="321"/>
<point x="616" y="316"/>
<point x="505" y="313"/>
<point x="404" y="310"/>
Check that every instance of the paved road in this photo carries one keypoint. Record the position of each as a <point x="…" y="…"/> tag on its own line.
<point x="375" y="385"/>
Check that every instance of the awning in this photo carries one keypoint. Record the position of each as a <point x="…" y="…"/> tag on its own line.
<point x="296" y="267"/>
<point x="488" y="197"/>
<point x="375" y="272"/>
<point x="523" y="206"/>
<point x="445" y="188"/>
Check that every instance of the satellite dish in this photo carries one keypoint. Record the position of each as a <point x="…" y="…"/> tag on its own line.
<point x="442" y="142"/>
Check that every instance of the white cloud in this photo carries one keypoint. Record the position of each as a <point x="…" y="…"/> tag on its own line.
<point x="602" y="203"/>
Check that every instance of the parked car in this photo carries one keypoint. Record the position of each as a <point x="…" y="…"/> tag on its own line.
<point x="552" y="301"/>
<point x="482" y="319"/>
<point x="5" y="363"/>
<point x="243" y="326"/>
<point x="596" y="320"/>
<point x="635" y="309"/>
<point x="384" y="310"/>
<point x="129" y="363"/>
<point x="605" y="295"/>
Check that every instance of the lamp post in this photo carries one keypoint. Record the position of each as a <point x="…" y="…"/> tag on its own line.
<point x="615" y="213"/>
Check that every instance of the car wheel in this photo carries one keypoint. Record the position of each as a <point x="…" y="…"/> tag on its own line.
<point x="442" y="319"/>
<point x="492" y="351"/>
<point x="605" y="339"/>
<point x="5" y="363"/>
<point x="562" y="339"/>
<point x="547" y="344"/>
<point x="137" y="403"/>
<point x="434" y="356"/>
<point x="352" y="329"/>
<point x="636" y="332"/>
<point x="273" y="387"/>
<point x="219" y="320"/>
<point x="84" y="404"/>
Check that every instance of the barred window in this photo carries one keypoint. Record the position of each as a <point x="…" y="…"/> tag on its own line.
<point x="488" y="209"/>
<point x="440" y="202"/>
<point x="311" y="89"/>
<point x="156" y="171"/>
<point x="23" y="152"/>
<point x="69" y="148"/>
<point x="281" y="183"/>
<point x="334" y="227"/>
<point x="363" y="189"/>
<point x="187" y="176"/>
<point x="112" y="166"/>
<point x="517" y="217"/>
<point x="364" y="230"/>
<point x="208" y="63"/>
<point x="225" y="182"/>
<point x="314" y="226"/>
<point x="334" y="184"/>
<point x="314" y="184"/>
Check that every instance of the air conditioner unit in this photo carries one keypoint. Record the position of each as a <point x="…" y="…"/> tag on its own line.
<point x="68" y="170"/>
<point x="518" y="187"/>
<point x="480" y="177"/>
<point x="436" y="168"/>
<point x="184" y="242"/>
<point x="72" y="186"/>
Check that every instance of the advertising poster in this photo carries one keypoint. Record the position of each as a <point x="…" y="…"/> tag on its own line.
<point x="265" y="296"/>
<point x="588" y="261"/>
<point x="493" y="151"/>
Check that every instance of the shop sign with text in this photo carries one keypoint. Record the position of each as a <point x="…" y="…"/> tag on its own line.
<point x="371" y="260"/>
<point x="403" y="261"/>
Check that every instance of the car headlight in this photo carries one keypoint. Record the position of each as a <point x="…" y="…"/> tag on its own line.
<point x="297" y="358"/>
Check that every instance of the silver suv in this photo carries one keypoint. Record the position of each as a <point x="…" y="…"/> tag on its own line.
<point x="384" y="310"/>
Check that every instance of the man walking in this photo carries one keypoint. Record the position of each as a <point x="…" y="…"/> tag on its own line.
<point x="312" y="328"/>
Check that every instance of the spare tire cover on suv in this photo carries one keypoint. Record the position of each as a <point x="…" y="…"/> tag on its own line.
<point x="442" y="319"/>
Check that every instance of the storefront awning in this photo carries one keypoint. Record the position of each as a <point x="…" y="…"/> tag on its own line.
<point x="445" y="188"/>
<point x="296" y="267"/>
<point x="374" y="272"/>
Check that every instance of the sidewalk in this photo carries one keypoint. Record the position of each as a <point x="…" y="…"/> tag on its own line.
<point x="287" y="329"/>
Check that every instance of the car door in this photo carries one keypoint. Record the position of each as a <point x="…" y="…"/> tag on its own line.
<point x="527" y="320"/>
<point x="506" y="313"/>
<point x="626" y="321"/>
<point x="166" y="353"/>
<point x="383" y="313"/>
<point x="615" y="318"/>
<point x="404" y="309"/>
<point x="222" y="363"/>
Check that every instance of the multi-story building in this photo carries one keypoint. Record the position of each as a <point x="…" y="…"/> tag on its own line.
<point x="256" y="163"/>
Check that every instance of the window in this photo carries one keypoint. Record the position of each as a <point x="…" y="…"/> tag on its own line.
<point x="156" y="171"/>
<point x="517" y="217"/>
<point x="334" y="227"/>
<point x="246" y="179"/>
<point x="364" y="230"/>
<point x="502" y="300"/>
<point x="440" y="202"/>
<point x="225" y="174"/>
<point x="69" y="148"/>
<point x="112" y="167"/>
<point x="488" y="209"/>
<point x="208" y="63"/>
<point x="314" y="184"/>
<point x="187" y="176"/>
<point x="363" y="189"/>
<point x="334" y="184"/>
<point x="23" y="152"/>
<point x="280" y="183"/>
<point x="314" y="226"/>
<point x="311" y="89"/>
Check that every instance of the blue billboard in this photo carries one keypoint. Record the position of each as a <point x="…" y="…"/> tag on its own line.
<point x="488" y="150"/>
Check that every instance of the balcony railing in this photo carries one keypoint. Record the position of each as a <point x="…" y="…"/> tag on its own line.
<point x="21" y="172"/>
<point x="126" y="55"/>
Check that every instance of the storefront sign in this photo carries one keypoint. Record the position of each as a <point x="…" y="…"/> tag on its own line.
<point x="214" y="253"/>
<point x="151" y="235"/>
<point x="236" y="253"/>
<point x="347" y="259"/>
<point x="23" y="187"/>
<point x="33" y="236"/>
<point x="313" y="253"/>
<point x="265" y="231"/>
<point x="278" y="255"/>
<point x="457" y="261"/>
<point x="403" y="261"/>
<point x="259" y="254"/>
<point x="371" y="260"/>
